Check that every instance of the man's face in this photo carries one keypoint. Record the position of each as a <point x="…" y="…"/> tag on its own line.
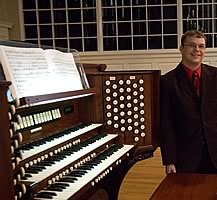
<point x="193" y="51"/>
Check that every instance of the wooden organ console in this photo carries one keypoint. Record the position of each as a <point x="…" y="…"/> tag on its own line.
<point x="127" y="103"/>
<point x="79" y="144"/>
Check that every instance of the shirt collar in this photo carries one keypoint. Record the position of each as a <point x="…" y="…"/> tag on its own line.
<point x="189" y="71"/>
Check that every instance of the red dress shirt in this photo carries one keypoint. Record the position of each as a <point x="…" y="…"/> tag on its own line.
<point x="189" y="73"/>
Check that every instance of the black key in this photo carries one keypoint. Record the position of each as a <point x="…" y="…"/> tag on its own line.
<point x="48" y="195"/>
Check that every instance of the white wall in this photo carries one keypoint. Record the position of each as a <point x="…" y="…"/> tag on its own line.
<point x="164" y="60"/>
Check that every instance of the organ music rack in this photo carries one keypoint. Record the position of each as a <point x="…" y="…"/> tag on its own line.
<point x="73" y="109"/>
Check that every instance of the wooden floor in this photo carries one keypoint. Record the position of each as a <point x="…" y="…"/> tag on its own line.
<point x="142" y="179"/>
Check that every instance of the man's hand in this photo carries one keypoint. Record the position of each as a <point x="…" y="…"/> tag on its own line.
<point x="170" y="169"/>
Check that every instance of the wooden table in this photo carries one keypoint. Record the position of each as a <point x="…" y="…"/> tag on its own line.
<point x="183" y="186"/>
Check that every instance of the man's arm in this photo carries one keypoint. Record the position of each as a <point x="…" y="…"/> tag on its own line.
<point x="167" y="132"/>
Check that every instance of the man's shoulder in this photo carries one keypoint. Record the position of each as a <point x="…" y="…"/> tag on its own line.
<point x="209" y="70"/>
<point x="209" y="67"/>
<point x="173" y="72"/>
<point x="170" y="74"/>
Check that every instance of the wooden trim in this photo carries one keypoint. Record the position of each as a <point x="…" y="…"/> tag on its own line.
<point x="6" y="172"/>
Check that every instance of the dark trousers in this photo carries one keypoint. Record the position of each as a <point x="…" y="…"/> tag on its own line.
<point x="206" y="166"/>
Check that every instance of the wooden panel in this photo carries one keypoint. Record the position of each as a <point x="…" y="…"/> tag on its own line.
<point x="129" y="106"/>
<point x="6" y="173"/>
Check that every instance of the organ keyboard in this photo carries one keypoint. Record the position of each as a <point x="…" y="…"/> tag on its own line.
<point x="46" y="143"/>
<point x="98" y="169"/>
<point x="73" y="145"/>
<point x="67" y="157"/>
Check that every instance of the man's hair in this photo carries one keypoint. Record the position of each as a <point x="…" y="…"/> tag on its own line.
<point x="192" y="33"/>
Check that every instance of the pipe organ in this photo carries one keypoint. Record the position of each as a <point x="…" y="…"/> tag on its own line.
<point x="73" y="145"/>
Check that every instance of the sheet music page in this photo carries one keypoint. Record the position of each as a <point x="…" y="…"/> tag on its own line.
<point x="64" y="72"/>
<point x="27" y="69"/>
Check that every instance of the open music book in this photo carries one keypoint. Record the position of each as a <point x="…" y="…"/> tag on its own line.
<point x="35" y="71"/>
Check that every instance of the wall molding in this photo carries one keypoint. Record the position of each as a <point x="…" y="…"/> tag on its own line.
<point x="4" y="30"/>
<point x="163" y="60"/>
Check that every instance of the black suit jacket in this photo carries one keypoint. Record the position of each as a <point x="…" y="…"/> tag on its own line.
<point x="188" y="120"/>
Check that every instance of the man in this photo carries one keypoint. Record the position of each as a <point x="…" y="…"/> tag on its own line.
<point x="188" y="137"/>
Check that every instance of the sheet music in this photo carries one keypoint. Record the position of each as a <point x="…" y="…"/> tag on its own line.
<point x="28" y="70"/>
<point x="64" y="70"/>
<point x="34" y="71"/>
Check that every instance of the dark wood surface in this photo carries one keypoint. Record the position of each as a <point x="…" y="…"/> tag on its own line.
<point x="183" y="186"/>
<point x="151" y="86"/>
<point x="6" y="175"/>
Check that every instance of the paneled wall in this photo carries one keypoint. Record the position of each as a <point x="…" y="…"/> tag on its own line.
<point x="162" y="59"/>
<point x="4" y="30"/>
<point x="10" y="22"/>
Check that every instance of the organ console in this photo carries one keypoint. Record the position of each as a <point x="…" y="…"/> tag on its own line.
<point x="78" y="144"/>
